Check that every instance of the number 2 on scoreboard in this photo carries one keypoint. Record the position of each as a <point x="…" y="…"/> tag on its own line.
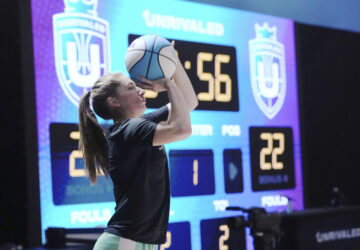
<point x="224" y="237"/>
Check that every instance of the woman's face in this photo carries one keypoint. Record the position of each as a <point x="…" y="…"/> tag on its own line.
<point x="131" y="98"/>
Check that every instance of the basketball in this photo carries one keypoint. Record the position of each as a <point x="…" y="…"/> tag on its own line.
<point x="152" y="57"/>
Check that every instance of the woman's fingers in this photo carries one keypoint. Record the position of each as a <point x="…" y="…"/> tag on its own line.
<point x="147" y="81"/>
<point x="173" y="43"/>
<point x="147" y="87"/>
<point x="143" y="85"/>
<point x="155" y="85"/>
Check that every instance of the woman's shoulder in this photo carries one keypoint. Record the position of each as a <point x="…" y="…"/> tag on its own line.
<point x="128" y="125"/>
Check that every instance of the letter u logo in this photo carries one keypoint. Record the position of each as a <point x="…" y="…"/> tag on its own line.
<point x="82" y="71"/>
<point x="268" y="77"/>
<point x="81" y="48"/>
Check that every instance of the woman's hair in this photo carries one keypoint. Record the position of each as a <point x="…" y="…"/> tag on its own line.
<point x="93" y="143"/>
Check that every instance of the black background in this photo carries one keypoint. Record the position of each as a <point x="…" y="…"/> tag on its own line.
<point x="328" y="66"/>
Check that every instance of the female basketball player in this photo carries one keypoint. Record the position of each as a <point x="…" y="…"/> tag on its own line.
<point x="132" y="153"/>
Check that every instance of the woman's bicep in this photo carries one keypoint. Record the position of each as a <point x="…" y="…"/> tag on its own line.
<point x="166" y="133"/>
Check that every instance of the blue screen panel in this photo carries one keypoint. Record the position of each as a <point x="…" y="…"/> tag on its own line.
<point x="245" y="147"/>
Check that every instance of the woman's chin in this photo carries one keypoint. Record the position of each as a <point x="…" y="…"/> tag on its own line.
<point x="143" y="108"/>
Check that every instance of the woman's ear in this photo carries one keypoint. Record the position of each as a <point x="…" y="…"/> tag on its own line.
<point x="113" y="102"/>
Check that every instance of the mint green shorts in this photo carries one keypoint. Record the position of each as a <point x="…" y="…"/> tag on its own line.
<point x="108" y="241"/>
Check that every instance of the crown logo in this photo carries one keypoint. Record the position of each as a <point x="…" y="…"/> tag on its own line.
<point x="265" y="32"/>
<point x="81" y="6"/>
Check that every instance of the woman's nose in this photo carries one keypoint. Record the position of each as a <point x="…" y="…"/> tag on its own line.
<point x="141" y="91"/>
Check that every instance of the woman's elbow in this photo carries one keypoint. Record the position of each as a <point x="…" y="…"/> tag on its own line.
<point x="184" y="132"/>
<point x="194" y="104"/>
<point x="188" y="131"/>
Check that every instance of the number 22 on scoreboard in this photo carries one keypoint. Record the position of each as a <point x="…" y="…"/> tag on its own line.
<point x="270" y="138"/>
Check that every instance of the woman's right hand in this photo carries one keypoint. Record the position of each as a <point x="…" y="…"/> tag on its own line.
<point x="158" y="85"/>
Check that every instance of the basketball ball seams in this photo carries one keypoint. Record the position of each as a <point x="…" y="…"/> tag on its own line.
<point x="154" y="53"/>
<point x="143" y="58"/>
<point x="158" y="58"/>
<point x="167" y="56"/>
<point x="151" y="56"/>
<point x="143" y="55"/>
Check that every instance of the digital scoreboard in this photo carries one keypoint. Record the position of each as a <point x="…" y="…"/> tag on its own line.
<point x="245" y="147"/>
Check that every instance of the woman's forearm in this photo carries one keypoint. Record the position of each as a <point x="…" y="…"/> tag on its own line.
<point x="179" y="116"/>
<point x="184" y="84"/>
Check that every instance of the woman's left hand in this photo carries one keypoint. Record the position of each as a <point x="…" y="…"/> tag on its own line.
<point x="158" y="85"/>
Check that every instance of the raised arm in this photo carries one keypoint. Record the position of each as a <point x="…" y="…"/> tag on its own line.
<point x="184" y="84"/>
<point x="178" y="126"/>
